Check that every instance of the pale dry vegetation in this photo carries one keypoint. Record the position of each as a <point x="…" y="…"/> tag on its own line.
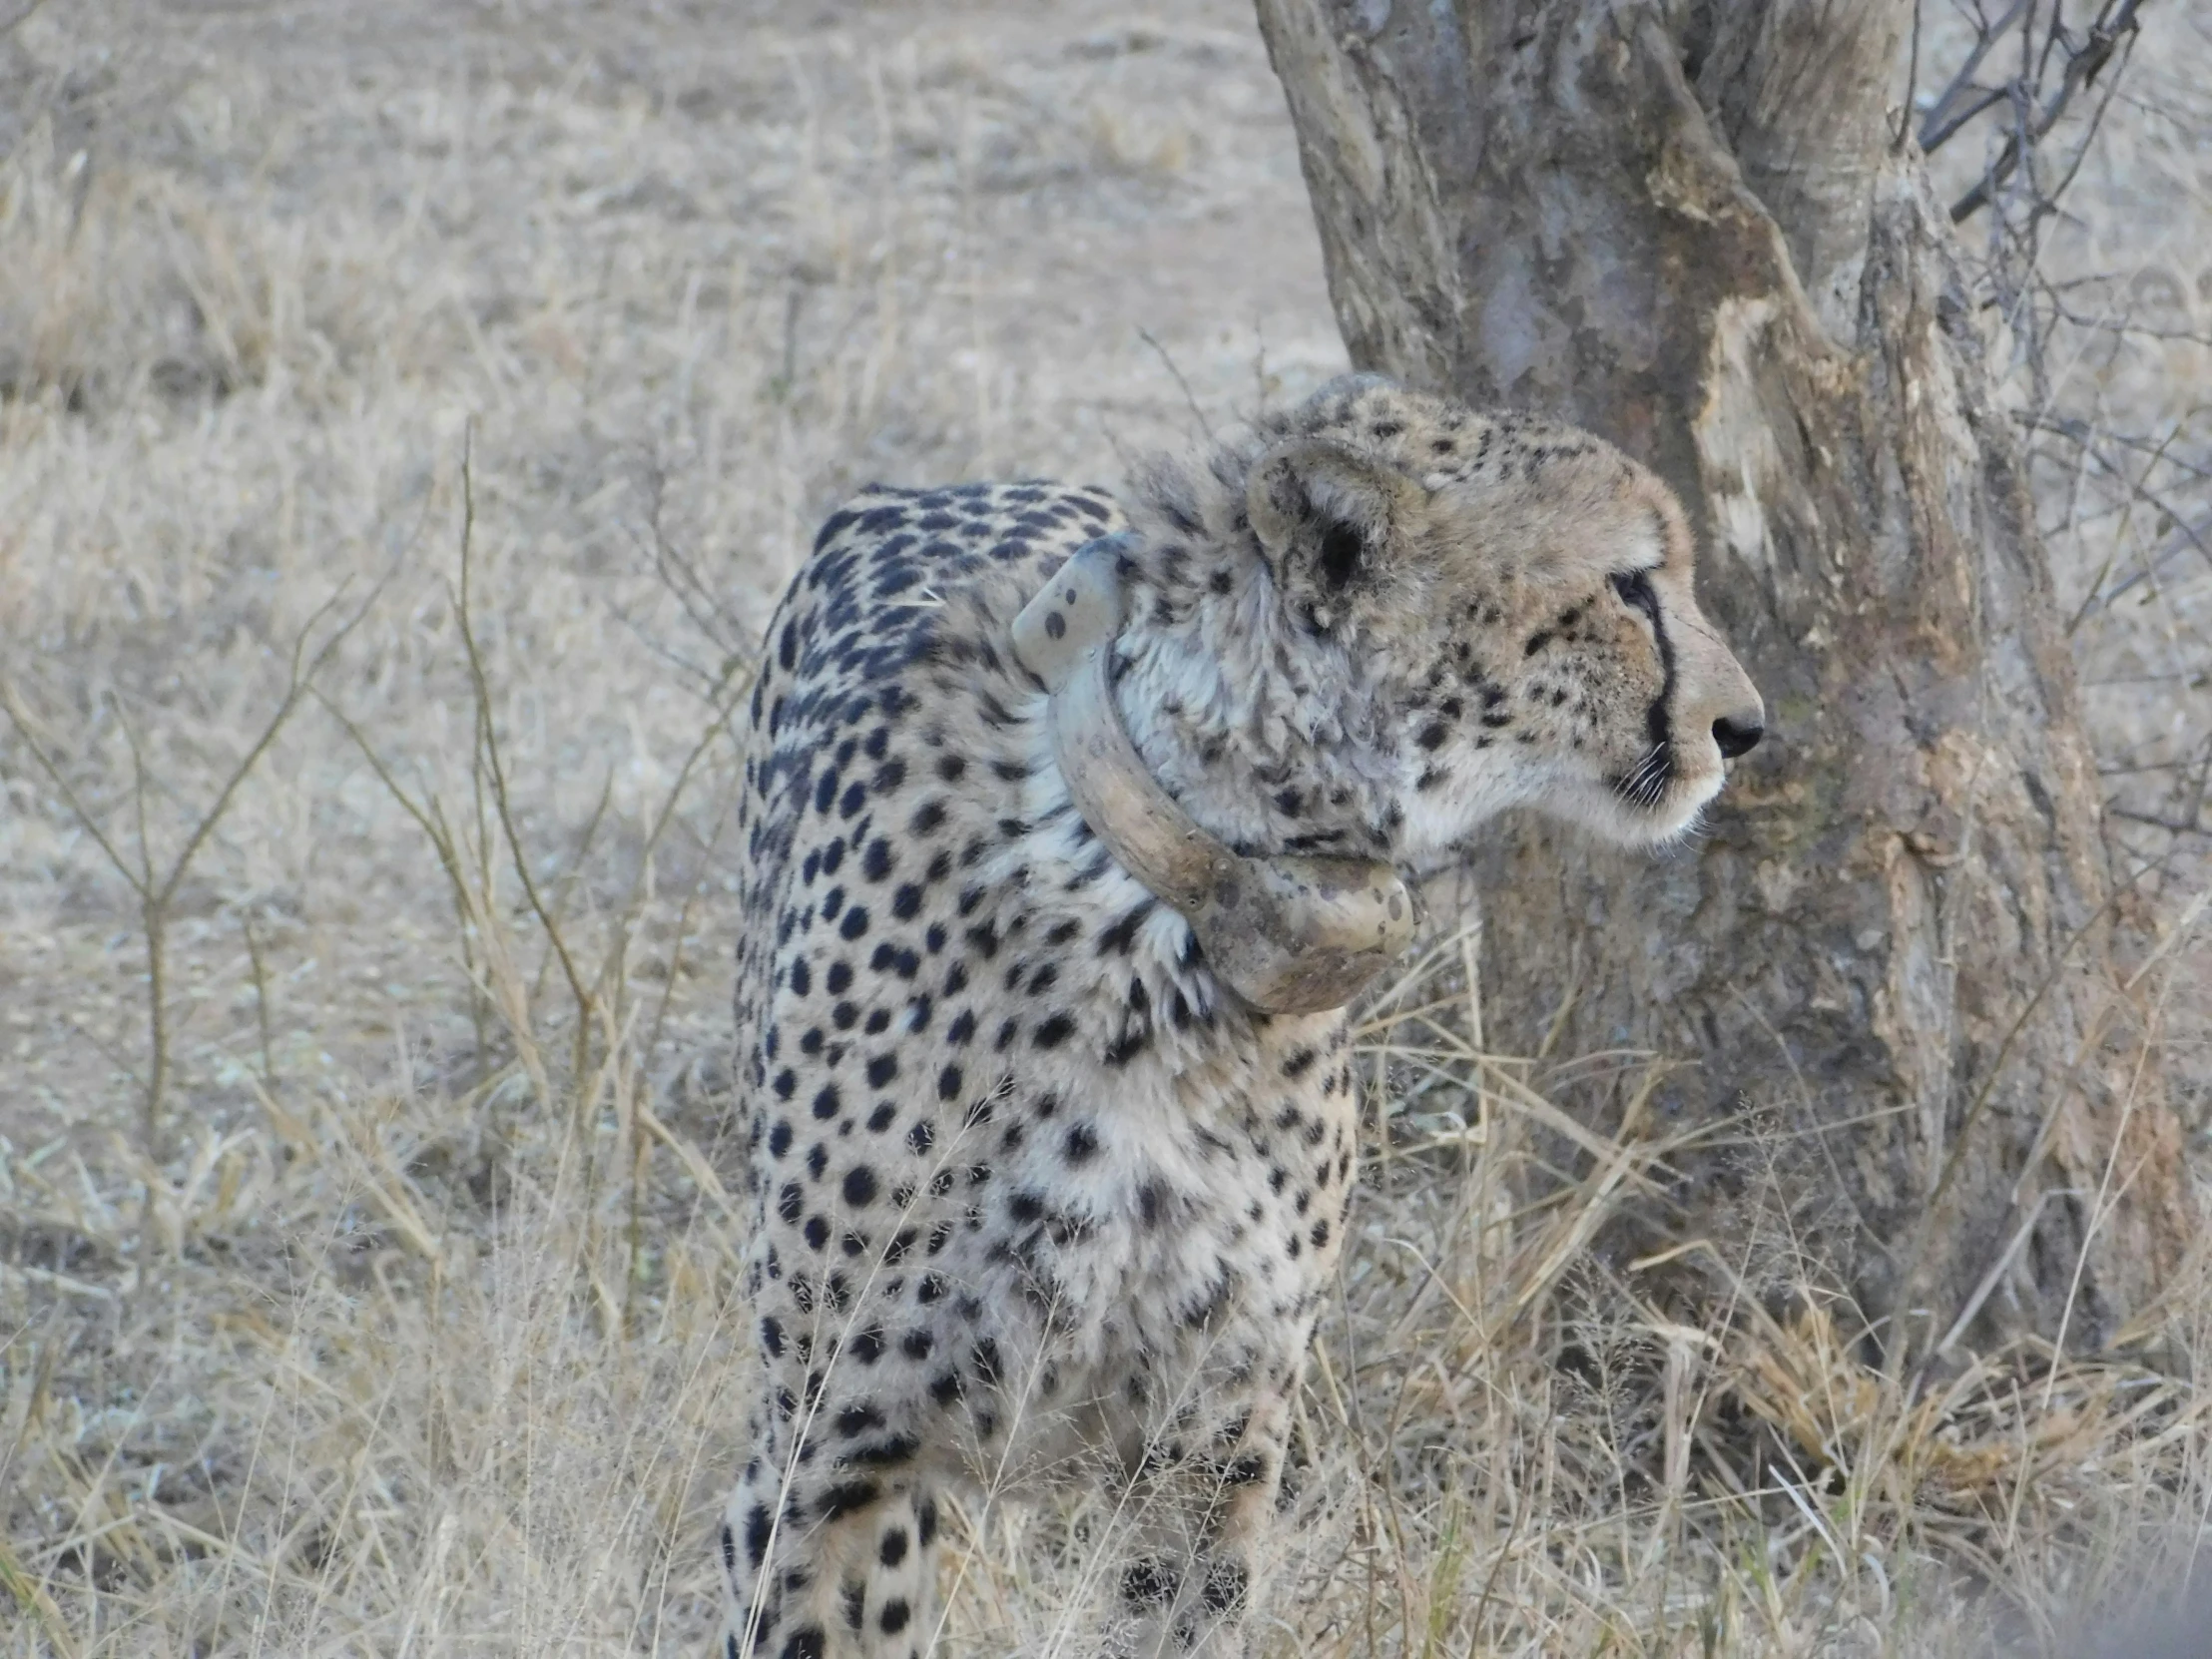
<point x="406" y="415"/>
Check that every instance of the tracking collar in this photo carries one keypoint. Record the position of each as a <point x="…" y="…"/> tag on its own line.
<point x="1291" y="934"/>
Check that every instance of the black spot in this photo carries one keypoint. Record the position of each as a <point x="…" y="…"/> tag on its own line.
<point x="1148" y="1583"/>
<point x="826" y="1102"/>
<point x="895" y="1615"/>
<point x="884" y="1068"/>
<point x="885" y="1454"/>
<point x="842" y="1499"/>
<point x="1082" y="1143"/>
<point x="1052" y="1031"/>
<point x="894" y="1549"/>
<point x="985" y="1361"/>
<point x="856" y="922"/>
<point x="859" y="1420"/>
<point x="860" y="1185"/>
<point x="1226" y="1582"/>
<point x="756" y="1526"/>
<point x="1118" y="937"/>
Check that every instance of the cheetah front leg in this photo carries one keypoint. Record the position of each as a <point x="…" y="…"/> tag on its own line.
<point x="825" y="1568"/>
<point x="1203" y="1523"/>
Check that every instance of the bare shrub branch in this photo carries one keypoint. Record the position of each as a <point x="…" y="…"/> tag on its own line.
<point x="154" y="883"/>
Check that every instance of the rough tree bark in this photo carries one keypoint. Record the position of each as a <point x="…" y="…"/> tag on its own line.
<point x="1695" y="229"/>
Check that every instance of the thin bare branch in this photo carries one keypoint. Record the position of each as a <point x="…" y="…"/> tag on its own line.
<point x="2114" y="28"/>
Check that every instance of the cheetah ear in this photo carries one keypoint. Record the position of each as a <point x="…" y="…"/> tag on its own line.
<point x="1323" y="512"/>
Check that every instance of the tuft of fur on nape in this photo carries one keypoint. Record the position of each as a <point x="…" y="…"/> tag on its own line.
<point x="1271" y="736"/>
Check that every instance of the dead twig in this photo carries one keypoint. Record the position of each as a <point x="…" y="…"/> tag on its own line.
<point x="154" y="883"/>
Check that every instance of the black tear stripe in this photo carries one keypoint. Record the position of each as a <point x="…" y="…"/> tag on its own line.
<point x="1656" y="722"/>
<point x="1656" y="718"/>
<point x="1649" y="780"/>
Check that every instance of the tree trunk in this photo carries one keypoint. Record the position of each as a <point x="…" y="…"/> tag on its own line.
<point x="1692" y="228"/>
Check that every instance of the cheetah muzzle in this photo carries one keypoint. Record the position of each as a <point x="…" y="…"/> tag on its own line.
<point x="1069" y="826"/>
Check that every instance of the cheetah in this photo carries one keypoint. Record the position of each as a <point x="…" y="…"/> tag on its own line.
<point x="1069" y="829"/>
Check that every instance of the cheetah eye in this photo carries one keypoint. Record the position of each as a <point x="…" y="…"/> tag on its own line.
<point x="1636" y="591"/>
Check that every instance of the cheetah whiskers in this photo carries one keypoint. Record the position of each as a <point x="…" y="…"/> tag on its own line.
<point x="1647" y="781"/>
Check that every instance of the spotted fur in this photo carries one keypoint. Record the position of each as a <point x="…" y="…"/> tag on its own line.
<point x="1039" y="1200"/>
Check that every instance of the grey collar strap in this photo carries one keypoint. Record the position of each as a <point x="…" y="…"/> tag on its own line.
<point x="1290" y="935"/>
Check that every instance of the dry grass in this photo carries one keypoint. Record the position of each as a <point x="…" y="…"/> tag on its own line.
<point x="366" y="1277"/>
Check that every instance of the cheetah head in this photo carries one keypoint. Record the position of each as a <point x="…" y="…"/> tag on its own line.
<point x="1510" y="602"/>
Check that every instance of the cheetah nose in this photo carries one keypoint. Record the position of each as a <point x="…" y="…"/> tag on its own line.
<point x="1738" y="734"/>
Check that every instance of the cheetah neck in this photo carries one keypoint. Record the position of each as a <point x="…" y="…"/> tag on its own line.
<point x="1290" y="933"/>
<point x="1268" y="735"/>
